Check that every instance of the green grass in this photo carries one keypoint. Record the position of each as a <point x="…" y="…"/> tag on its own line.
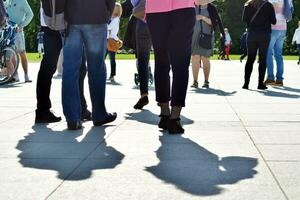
<point x="34" y="57"/>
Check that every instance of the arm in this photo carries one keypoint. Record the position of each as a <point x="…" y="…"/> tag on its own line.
<point x="28" y="14"/>
<point x="220" y="24"/>
<point x="273" y="15"/>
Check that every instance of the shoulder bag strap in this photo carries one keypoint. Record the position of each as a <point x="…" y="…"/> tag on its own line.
<point x="256" y="13"/>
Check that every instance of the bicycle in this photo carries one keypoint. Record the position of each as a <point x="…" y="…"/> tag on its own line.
<point x="9" y="59"/>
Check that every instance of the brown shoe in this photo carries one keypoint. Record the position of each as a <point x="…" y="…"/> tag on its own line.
<point x="269" y="82"/>
<point x="279" y="83"/>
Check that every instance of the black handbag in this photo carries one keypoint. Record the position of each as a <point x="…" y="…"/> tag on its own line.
<point x="205" y="40"/>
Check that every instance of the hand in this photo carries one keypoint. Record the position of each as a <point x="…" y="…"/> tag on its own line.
<point x="199" y="17"/>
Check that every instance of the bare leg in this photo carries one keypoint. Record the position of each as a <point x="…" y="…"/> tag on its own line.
<point x="206" y="67"/>
<point x="24" y="62"/>
<point x="196" y="64"/>
<point x="175" y="112"/>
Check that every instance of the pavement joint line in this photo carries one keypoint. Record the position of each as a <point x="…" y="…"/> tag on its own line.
<point x="256" y="147"/>
<point x="19" y="116"/>
<point x="87" y="156"/>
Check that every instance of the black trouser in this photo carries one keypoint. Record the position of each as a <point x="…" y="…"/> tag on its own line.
<point x="143" y="47"/>
<point x="171" y="34"/>
<point x="244" y="54"/>
<point x="52" y="48"/>
<point x="113" y="64"/>
<point x="257" y="42"/>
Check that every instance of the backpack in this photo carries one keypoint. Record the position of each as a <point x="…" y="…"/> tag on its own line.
<point x="53" y="13"/>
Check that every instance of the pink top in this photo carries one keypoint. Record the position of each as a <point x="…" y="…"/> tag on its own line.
<point x="281" y="20"/>
<point x="158" y="6"/>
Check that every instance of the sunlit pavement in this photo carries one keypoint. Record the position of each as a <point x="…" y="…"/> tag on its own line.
<point x="239" y="144"/>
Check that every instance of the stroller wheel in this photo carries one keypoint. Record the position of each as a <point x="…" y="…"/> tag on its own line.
<point x="136" y="79"/>
<point x="150" y="79"/>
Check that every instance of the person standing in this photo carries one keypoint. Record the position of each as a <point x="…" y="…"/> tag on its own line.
<point x="171" y="25"/>
<point x="113" y="30"/>
<point x="52" y="48"/>
<point x="20" y="13"/>
<point x="277" y="42"/>
<point x="258" y="15"/>
<point x="228" y="43"/>
<point x="296" y="39"/>
<point x="207" y="21"/>
<point x="87" y="30"/>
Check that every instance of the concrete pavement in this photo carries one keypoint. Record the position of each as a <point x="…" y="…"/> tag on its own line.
<point x="238" y="144"/>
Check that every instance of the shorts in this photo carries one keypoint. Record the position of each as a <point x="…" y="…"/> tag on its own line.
<point x="20" y="42"/>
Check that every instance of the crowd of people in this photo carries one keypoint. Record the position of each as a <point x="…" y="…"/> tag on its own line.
<point x="179" y="31"/>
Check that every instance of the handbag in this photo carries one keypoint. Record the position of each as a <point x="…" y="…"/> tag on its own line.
<point x="114" y="45"/>
<point x="205" y="40"/>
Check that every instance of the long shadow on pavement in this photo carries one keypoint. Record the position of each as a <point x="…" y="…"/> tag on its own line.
<point x="279" y="94"/>
<point x="64" y="152"/>
<point x="148" y="117"/>
<point x="214" y="92"/>
<point x="195" y="170"/>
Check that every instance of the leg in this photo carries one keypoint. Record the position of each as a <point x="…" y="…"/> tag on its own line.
<point x="278" y="55"/>
<point x="270" y="64"/>
<point x="113" y="65"/>
<point x="73" y="49"/>
<point x="180" y="40"/>
<point x="252" y="51"/>
<point x="143" y="47"/>
<point x="52" y="47"/>
<point x="95" y="46"/>
<point x="206" y="67"/>
<point x="196" y="64"/>
<point x="263" y="50"/>
<point x="21" y="48"/>
<point x="159" y="26"/>
<point x="298" y="53"/>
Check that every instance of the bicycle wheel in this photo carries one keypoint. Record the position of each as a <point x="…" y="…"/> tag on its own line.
<point x="9" y="65"/>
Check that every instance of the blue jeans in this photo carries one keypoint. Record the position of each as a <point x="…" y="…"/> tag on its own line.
<point x="275" y="48"/>
<point x="93" y="39"/>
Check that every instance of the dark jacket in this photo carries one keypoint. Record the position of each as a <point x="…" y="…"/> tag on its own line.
<point x="130" y="34"/>
<point x="89" y="11"/>
<point x="243" y="41"/>
<point x="215" y="18"/>
<point x="263" y="20"/>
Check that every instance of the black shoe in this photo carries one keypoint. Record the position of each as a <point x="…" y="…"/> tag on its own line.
<point x="163" y="123"/>
<point x="46" y="117"/>
<point x="246" y="87"/>
<point x="110" y="118"/>
<point x="262" y="87"/>
<point x="175" y="127"/>
<point x="205" y="84"/>
<point x="86" y="115"/>
<point x="74" y="125"/>
<point x="141" y="103"/>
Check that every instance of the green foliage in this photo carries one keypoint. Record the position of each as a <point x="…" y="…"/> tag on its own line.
<point x="32" y="29"/>
<point x="230" y="11"/>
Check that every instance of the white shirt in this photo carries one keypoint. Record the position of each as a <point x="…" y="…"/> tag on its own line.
<point x="113" y="28"/>
<point x="227" y="39"/>
<point x="42" y="17"/>
<point x="296" y="37"/>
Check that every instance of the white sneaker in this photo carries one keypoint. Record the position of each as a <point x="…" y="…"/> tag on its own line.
<point x="27" y="79"/>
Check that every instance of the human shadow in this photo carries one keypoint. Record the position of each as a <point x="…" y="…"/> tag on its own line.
<point x="290" y="89"/>
<point x="11" y="85"/>
<point x="213" y="91"/>
<point x="278" y="94"/>
<point x="148" y="117"/>
<point x="62" y="151"/>
<point x="195" y="170"/>
<point x="113" y="83"/>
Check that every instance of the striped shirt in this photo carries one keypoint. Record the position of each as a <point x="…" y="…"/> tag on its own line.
<point x="281" y="20"/>
<point x="158" y="6"/>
